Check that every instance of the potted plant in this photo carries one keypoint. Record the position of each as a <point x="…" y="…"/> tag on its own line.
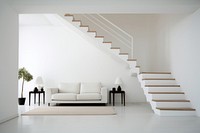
<point x="26" y="76"/>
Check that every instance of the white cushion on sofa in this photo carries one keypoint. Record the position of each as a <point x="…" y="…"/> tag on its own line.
<point x="90" y="88"/>
<point x="89" y="96"/>
<point x="64" y="96"/>
<point x="69" y="88"/>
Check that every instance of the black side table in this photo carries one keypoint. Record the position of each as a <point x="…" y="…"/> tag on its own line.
<point x="113" y="96"/>
<point x="36" y="92"/>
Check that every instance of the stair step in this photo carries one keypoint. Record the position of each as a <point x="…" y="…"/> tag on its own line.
<point x="115" y="48"/>
<point x="84" y="26"/>
<point x="132" y="64"/>
<point x="107" y="42"/>
<point x="155" y="72"/>
<point x="162" y="85"/>
<point x="157" y="82"/>
<point x="91" y="31"/>
<point x="99" y="36"/>
<point x="142" y="76"/>
<point x="177" y="109"/>
<point x="161" y="89"/>
<point x="158" y="79"/>
<point x="131" y="59"/>
<point x="76" y="20"/>
<point x="164" y="96"/>
<point x="154" y="100"/>
<point x="123" y="53"/>
<point x="115" y="51"/>
<point x="166" y="93"/>
<point x="69" y="15"/>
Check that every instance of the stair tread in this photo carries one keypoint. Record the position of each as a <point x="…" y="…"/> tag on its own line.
<point x="170" y="100"/>
<point x="158" y="79"/>
<point x="92" y="31"/>
<point x="166" y="92"/>
<point x="84" y="26"/>
<point x="68" y="14"/>
<point x="162" y="85"/>
<point x="155" y="72"/>
<point x="107" y="42"/>
<point x="177" y="109"/>
<point x="76" y="20"/>
<point x="131" y="59"/>
<point x="99" y="36"/>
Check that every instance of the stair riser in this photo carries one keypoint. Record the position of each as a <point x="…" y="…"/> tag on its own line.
<point x="77" y="24"/>
<point x="155" y="105"/>
<point x="115" y="51"/>
<point x="69" y="18"/>
<point x="158" y="82"/>
<point x="135" y="70"/>
<point x="107" y="46"/>
<point x="147" y="92"/>
<point x="99" y="40"/>
<point x="165" y="96"/>
<point x="124" y="57"/>
<point x="91" y="34"/>
<point x="132" y="64"/>
<point x="174" y="113"/>
<point x="142" y="76"/>
<point x="84" y="29"/>
<point x="162" y="89"/>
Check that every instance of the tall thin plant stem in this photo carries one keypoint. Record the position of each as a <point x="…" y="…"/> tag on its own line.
<point x="22" y="88"/>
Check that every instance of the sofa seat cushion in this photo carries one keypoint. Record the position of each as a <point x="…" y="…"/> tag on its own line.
<point x="94" y="87"/>
<point x="89" y="96"/>
<point x="69" y="88"/>
<point x="64" y="96"/>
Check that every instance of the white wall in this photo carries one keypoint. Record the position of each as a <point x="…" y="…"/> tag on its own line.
<point x="184" y="44"/>
<point x="63" y="55"/>
<point x="9" y="62"/>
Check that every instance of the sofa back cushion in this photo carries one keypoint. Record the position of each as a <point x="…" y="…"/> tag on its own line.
<point x="90" y="87"/>
<point x="69" y="88"/>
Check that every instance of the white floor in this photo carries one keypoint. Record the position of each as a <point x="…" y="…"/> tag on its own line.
<point x="133" y="118"/>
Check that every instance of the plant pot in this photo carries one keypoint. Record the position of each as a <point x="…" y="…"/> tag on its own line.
<point x="21" y="101"/>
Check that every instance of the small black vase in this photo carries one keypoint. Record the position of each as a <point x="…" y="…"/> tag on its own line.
<point x="35" y="89"/>
<point x="21" y="101"/>
<point x="119" y="88"/>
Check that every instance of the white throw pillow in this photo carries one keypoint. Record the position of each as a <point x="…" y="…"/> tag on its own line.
<point x="90" y="87"/>
<point x="69" y="88"/>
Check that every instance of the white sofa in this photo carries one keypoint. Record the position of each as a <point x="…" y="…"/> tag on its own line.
<point x="77" y="93"/>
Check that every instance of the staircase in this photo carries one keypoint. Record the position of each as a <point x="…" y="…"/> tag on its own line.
<point x="160" y="88"/>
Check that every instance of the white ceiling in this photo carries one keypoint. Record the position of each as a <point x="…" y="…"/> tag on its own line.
<point x="105" y="6"/>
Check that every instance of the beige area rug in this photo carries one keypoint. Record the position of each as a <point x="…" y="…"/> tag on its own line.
<point x="71" y="111"/>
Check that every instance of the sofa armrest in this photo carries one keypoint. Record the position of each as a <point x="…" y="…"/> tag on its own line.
<point x="104" y="94"/>
<point x="49" y="92"/>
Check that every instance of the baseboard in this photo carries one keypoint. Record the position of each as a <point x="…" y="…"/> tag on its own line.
<point x="9" y="118"/>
